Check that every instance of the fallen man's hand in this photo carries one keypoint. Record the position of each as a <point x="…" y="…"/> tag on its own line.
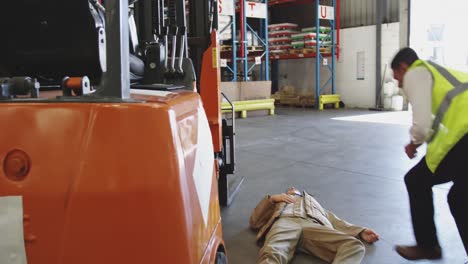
<point x="282" y="197"/>
<point x="369" y="236"/>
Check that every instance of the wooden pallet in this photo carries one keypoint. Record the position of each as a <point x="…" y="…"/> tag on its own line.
<point x="295" y="100"/>
<point x="309" y="50"/>
<point x="307" y="101"/>
<point x="278" y="52"/>
<point x="249" y="48"/>
<point x="255" y="48"/>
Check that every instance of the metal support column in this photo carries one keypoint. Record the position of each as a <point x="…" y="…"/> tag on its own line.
<point x="333" y="46"/>
<point x="378" y="55"/>
<point x="267" y="46"/>
<point x="116" y="81"/>
<point x="234" y="48"/>
<point x="317" y="50"/>
<point x="243" y="40"/>
<point x="319" y="57"/>
<point x="262" y="66"/>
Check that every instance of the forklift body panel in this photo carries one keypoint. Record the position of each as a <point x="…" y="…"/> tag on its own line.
<point x="127" y="182"/>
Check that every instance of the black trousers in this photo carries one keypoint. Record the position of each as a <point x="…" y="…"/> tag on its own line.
<point x="419" y="182"/>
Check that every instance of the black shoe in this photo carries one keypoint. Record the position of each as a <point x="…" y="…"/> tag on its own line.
<point x="417" y="252"/>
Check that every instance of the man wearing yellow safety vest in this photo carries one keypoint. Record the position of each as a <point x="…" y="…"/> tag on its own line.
<point x="439" y="99"/>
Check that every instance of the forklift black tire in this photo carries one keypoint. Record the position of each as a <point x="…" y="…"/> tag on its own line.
<point x="220" y="258"/>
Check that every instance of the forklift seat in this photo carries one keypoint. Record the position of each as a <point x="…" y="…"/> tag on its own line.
<point x="52" y="39"/>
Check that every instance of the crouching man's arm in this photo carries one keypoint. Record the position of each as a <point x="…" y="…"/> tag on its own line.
<point x="365" y="234"/>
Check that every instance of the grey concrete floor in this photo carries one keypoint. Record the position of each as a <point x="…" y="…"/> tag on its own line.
<point x="353" y="168"/>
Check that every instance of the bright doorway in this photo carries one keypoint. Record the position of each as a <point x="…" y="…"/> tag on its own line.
<point x="438" y="31"/>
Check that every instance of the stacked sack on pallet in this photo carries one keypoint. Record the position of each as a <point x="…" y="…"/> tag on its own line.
<point x="279" y="37"/>
<point x="306" y="41"/>
<point x="285" y="38"/>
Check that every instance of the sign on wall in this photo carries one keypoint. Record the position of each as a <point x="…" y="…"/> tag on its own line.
<point x="224" y="63"/>
<point x="360" y="67"/>
<point x="326" y="12"/>
<point x="256" y="10"/>
<point x="226" y="11"/>
<point x="258" y="60"/>
<point x="226" y="7"/>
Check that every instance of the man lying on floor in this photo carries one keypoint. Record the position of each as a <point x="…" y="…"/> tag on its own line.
<point x="293" y="221"/>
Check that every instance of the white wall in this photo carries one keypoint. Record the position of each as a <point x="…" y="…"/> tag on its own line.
<point x="354" y="93"/>
<point x="361" y="93"/>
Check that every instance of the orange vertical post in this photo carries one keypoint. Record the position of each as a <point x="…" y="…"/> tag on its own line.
<point x="210" y="90"/>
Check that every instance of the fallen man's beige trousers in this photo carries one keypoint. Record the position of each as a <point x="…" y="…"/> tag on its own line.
<point x="289" y="234"/>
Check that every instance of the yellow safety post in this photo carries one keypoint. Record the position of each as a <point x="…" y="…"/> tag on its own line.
<point x="250" y="105"/>
<point x="329" y="99"/>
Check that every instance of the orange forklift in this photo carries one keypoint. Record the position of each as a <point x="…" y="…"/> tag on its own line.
<point x="107" y="152"/>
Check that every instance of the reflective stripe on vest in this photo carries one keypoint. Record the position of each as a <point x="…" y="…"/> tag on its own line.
<point x="459" y="88"/>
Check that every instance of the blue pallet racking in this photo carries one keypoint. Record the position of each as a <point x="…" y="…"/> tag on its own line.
<point x="328" y="15"/>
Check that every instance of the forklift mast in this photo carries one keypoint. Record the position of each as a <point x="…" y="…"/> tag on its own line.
<point x="158" y="31"/>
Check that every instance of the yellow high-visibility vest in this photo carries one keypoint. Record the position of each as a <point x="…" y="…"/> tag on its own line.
<point x="449" y="110"/>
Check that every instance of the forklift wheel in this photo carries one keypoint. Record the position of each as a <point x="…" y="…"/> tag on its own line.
<point x="220" y="258"/>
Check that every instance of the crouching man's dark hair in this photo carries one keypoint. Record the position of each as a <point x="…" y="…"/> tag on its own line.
<point x="406" y="55"/>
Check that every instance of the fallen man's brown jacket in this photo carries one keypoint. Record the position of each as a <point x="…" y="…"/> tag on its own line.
<point x="267" y="212"/>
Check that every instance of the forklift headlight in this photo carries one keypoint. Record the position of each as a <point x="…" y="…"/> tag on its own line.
<point x="16" y="165"/>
